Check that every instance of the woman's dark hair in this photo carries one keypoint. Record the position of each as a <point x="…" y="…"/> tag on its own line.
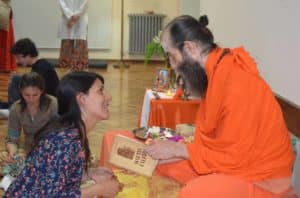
<point x="187" y="28"/>
<point x="33" y="79"/>
<point x="25" y="47"/>
<point x="70" y="115"/>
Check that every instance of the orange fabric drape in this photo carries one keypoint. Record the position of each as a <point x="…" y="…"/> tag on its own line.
<point x="7" y="39"/>
<point x="178" y="94"/>
<point x="169" y="112"/>
<point x="240" y="128"/>
<point x="219" y="185"/>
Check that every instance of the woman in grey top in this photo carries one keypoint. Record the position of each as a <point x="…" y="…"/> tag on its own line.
<point x="30" y="113"/>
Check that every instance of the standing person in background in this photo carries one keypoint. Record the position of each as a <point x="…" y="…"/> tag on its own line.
<point x="73" y="35"/>
<point x="7" y="61"/>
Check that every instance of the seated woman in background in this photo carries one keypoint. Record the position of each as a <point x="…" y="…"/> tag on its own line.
<point x="30" y="113"/>
<point x="61" y="153"/>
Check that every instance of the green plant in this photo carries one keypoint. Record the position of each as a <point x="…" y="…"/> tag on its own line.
<point x="155" y="48"/>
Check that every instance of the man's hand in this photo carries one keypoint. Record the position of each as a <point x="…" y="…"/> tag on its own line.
<point x="165" y="149"/>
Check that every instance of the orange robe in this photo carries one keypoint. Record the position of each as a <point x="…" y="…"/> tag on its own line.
<point x="240" y="130"/>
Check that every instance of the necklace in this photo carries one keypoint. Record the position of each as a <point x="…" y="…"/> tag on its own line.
<point x="31" y="115"/>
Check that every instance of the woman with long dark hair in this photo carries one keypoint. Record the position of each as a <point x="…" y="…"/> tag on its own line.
<point x="56" y="164"/>
<point x="30" y="113"/>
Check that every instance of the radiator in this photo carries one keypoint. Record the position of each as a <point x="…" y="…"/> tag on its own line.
<point x="142" y="29"/>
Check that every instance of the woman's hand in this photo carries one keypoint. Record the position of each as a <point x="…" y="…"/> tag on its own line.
<point x="165" y="149"/>
<point x="73" y="20"/>
<point x="70" y="24"/>
<point x="107" y="188"/>
<point x="12" y="150"/>
<point x="101" y="174"/>
<point x="110" y="188"/>
<point x="107" y="181"/>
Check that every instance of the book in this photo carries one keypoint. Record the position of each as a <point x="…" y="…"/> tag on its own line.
<point x="129" y="154"/>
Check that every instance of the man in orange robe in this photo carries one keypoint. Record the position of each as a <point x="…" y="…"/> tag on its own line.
<point x="242" y="147"/>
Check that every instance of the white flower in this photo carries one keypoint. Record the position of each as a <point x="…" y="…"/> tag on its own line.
<point x="156" y="39"/>
<point x="154" y="130"/>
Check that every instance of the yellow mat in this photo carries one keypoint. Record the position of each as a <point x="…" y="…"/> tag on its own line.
<point x="138" y="186"/>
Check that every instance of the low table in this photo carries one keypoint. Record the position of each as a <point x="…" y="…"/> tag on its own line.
<point x="167" y="112"/>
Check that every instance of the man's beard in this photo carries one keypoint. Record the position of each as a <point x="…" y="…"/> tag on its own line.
<point x="194" y="77"/>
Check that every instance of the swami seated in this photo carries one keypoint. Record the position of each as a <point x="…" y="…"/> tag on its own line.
<point x="242" y="147"/>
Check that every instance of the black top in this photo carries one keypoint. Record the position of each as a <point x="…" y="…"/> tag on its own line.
<point x="47" y="71"/>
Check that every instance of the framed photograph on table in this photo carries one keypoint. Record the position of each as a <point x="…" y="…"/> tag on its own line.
<point x="161" y="80"/>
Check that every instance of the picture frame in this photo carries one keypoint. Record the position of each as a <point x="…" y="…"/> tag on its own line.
<point x="162" y="79"/>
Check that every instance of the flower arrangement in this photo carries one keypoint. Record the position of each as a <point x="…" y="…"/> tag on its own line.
<point x="155" y="48"/>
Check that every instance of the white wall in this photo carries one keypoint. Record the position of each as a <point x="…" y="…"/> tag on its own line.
<point x="113" y="40"/>
<point x="270" y="32"/>
<point x="168" y="7"/>
<point x="43" y="18"/>
<point x="189" y="7"/>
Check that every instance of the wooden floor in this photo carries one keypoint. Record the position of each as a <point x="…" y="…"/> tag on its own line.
<point x="127" y="87"/>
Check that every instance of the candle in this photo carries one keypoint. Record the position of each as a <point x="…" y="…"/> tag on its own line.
<point x="169" y="93"/>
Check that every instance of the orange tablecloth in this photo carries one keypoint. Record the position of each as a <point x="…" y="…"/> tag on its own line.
<point x="169" y="112"/>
